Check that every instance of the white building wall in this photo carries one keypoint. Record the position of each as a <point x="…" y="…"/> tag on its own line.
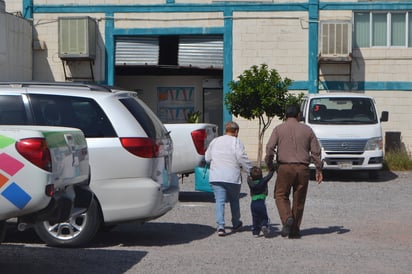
<point x="279" y="40"/>
<point x="13" y="6"/>
<point x="15" y="48"/>
<point x="168" y="20"/>
<point x="382" y="64"/>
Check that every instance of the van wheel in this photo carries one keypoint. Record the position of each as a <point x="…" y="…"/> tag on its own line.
<point x="77" y="231"/>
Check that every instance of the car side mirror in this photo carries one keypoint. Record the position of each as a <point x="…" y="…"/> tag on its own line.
<point x="384" y="116"/>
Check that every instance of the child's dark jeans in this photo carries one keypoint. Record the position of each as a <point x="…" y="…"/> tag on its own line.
<point x="259" y="215"/>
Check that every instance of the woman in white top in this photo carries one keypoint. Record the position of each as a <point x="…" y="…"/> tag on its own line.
<point x="227" y="157"/>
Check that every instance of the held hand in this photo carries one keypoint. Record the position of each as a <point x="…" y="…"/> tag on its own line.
<point x="273" y="167"/>
<point x="319" y="176"/>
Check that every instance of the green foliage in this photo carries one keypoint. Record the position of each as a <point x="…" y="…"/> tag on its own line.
<point x="398" y="161"/>
<point x="194" y="117"/>
<point x="260" y="92"/>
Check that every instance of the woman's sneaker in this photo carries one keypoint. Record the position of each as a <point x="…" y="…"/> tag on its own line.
<point x="221" y="232"/>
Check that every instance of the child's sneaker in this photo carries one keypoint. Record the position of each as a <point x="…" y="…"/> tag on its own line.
<point x="266" y="231"/>
<point x="255" y="233"/>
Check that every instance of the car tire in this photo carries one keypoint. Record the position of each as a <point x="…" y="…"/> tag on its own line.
<point x="3" y="229"/>
<point x="75" y="232"/>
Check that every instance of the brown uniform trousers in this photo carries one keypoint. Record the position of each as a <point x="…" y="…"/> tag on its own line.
<point x="293" y="177"/>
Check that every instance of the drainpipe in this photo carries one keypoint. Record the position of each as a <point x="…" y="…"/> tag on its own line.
<point x="109" y="49"/>
<point x="28" y="9"/>
<point x="227" y="61"/>
<point x="313" y="85"/>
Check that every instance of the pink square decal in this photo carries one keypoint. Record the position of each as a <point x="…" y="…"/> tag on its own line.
<point x="9" y="164"/>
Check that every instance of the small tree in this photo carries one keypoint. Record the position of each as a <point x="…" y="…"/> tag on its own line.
<point x="260" y="93"/>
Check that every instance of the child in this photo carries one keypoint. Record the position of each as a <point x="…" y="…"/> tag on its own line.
<point x="258" y="192"/>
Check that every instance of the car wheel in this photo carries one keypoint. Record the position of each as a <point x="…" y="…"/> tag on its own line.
<point x="2" y="230"/>
<point x="77" y="231"/>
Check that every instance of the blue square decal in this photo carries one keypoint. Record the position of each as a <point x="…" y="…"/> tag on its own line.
<point x="16" y="195"/>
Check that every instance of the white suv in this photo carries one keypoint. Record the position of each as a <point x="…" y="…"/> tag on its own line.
<point x="130" y="152"/>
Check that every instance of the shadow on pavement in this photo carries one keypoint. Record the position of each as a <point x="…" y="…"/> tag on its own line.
<point x="17" y="259"/>
<point x="358" y="176"/>
<point x="324" y="230"/>
<point x="196" y="196"/>
<point x="200" y="196"/>
<point x="128" y="234"/>
<point x="152" y="234"/>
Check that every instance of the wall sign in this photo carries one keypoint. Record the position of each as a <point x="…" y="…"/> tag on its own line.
<point x="174" y="103"/>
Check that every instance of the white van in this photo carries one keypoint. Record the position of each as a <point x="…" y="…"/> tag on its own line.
<point x="348" y="128"/>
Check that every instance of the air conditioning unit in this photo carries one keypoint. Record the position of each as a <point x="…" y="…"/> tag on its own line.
<point x="336" y="39"/>
<point x="77" y="37"/>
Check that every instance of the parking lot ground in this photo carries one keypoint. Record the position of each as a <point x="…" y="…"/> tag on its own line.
<point x="351" y="225"/>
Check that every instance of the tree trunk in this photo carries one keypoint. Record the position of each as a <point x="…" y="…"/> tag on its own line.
<point x="260" y="144"/>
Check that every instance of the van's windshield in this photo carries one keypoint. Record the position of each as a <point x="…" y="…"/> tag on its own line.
<point x="342" y="111"/>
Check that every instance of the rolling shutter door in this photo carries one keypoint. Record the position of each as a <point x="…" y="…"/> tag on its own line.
<point x="193" y="51"/>
<point x="137" y="51"/>
<point x="201" y="51"/>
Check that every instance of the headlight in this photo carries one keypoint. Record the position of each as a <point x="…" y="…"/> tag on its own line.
<point x="374" y="144"/>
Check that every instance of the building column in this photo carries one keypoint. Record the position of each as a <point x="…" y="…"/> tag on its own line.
<point x="313" y="40"/>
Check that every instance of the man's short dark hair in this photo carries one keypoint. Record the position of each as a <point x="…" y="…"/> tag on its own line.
<point x="292" y="111"/>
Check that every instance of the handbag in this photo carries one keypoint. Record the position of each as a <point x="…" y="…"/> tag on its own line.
<point x="202" y="179"/>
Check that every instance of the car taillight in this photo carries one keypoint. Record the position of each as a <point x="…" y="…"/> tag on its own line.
<point x="142" y="147"/>
<point x="36" y="151"/>
<point x="199" y="137"/>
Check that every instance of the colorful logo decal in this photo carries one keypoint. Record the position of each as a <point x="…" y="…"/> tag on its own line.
<point x="15" y="194"/>
<point x="9" y="164"/>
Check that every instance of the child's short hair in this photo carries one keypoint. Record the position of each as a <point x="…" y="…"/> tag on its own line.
<point x="256" y="173"/>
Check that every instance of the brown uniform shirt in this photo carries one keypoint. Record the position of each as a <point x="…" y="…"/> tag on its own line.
<point x="294" y="142"/>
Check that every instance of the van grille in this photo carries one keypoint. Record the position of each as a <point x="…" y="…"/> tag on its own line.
<point x="344" y="145"/>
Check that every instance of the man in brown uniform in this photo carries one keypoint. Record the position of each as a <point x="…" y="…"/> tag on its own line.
<point x="294" y="144"/>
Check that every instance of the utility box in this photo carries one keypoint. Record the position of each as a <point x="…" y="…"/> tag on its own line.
<point x="77" y="38"/>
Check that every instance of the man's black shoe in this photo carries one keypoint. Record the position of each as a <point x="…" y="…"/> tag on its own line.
<point x="294" y="235"/>
<point x="287" y="227"/>
<point x="238" y="227"/>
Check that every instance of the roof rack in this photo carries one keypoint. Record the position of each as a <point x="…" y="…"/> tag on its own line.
<point x="91" y="87"/>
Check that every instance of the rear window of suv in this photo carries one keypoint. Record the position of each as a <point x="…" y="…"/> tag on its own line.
<point x="145" y="116"/>
<point x="70" y="111"/>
